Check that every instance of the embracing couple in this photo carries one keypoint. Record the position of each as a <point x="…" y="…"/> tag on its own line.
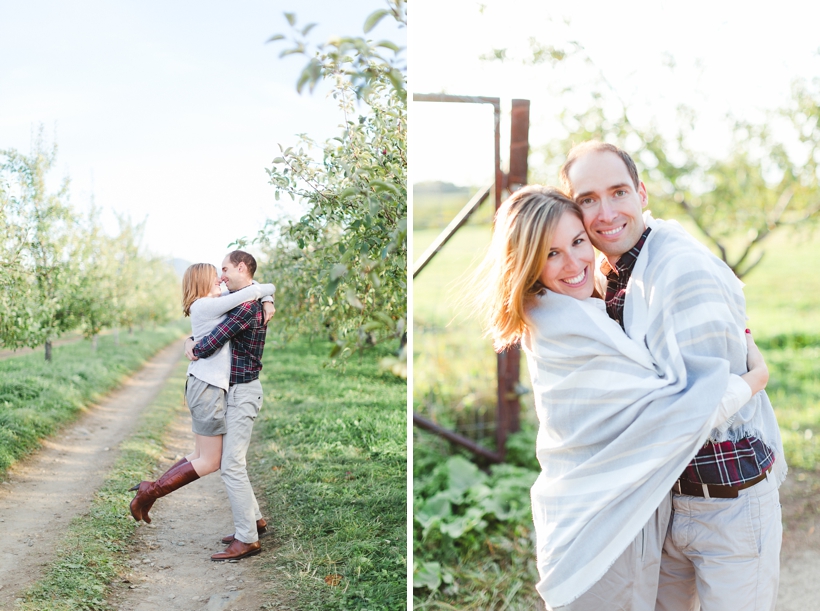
<point x="660" y="454"/>
<point x="222" y="391"/>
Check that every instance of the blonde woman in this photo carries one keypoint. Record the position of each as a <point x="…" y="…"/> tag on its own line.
<point x="206" y="386"/>
<point x="616" y="430"/>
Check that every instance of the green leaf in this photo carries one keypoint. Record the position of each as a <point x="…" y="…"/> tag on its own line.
<point x="436" y="508"/>
<point x="373" y="325"/>
<point x="276" y="37"/>
<point x="427" y="575"/>
<point x="291" y="17"/>
<point x="337" y="271"/>
<point x="387" y="44"/>
<point x="463" y="474"/>
<point x="353" y="299"/>
<point x="308" y="28"/>
<point x="373" y="19"/>
<point x="349" y="192"/>
<point x="380" y="185"/>
<point x="385" y="319"/>
<point x="304" y="78"/>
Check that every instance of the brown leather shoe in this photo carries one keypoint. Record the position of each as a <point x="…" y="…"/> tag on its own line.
<point x="147" y="492"/>
<point x="261" y="529"/>
<point x="237" y="550"/>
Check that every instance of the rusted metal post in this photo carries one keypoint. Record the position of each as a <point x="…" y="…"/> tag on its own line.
<point x="508" y="418"/>
<point x="519" y="145"/>
<point x="499" y="175"/>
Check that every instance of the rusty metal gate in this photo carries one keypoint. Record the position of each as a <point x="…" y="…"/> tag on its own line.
<point x="508" y="408"/>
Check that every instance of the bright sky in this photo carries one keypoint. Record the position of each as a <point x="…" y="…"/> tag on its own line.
<point x="168" y="110"/>
<point x="732" y="56"/>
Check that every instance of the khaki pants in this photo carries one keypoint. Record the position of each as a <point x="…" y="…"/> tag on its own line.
<point x="631" y="584"/>
<point x="723" y="553"/>
<point x="244" y="403"/>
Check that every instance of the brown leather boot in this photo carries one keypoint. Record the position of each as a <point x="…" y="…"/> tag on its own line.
<point x="261" y="528"/>
<point x="148" y="492"/>
<point x="237" y="550"/>
<point x="147" y="506"/>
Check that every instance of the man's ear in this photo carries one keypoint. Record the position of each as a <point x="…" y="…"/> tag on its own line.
<point x="643" y="195"/>
<point x="242" y="268"/>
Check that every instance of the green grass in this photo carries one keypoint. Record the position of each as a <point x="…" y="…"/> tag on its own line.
<point x="436" y="210"/>
<point x="37" y="397"/>
<point x="329" y="458"/>
<point x="454" y="382"/>
<point x="94" y="551"/>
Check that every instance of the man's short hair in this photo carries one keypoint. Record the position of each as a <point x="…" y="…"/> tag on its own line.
<point x="590" y="146"/>
<point x="240" y="256"/>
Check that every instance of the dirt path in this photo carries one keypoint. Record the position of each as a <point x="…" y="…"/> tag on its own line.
<point x="800" y="558"/>
<point x="43" y="493"/>
<point x="172" y="570"/>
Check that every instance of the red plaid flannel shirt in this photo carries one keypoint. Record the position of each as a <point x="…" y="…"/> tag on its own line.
<point x="245" y="327"/>
<point x="728" y="463"/>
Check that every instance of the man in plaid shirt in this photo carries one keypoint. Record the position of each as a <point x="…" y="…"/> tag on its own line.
<point x="245" y="327"/>
<point x="723" y="544"/>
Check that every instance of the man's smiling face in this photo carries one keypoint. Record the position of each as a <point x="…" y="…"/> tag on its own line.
<point x="233" y="275"/>
<point x="612" y="205"/>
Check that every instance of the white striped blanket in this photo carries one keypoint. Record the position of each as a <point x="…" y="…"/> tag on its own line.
<point x="619" y="421"/>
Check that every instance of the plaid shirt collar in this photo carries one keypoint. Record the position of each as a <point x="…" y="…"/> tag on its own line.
<point x="618" y="278"/>
<point x="626" y="262"/>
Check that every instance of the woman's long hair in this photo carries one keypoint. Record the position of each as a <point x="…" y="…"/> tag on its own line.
<point x="509" y="274"/>
<point x="196" y="282"/>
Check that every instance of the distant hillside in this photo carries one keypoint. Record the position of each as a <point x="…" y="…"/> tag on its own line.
<point x="179" y="265"/>
<point x="438" y="186"/>
<point x="435" y="203"/>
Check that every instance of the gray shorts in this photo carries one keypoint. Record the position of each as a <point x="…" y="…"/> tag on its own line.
<point x="207" y="404"/>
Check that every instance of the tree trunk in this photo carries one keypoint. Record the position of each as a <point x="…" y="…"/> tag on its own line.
<point x="117" y="336"/>
<point x="94" y="342"/>
<point x="48" y="349"/>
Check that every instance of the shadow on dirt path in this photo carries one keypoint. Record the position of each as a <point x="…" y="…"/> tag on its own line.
<point x="44" y="492"/>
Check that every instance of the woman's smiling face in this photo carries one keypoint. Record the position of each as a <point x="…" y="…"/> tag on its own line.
<point x="570" y="260"/>
<point x="216" y="289"/>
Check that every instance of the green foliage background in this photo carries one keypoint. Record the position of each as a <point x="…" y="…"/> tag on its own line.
<point x="59" y="271"/>
<point x="341" y="267"/>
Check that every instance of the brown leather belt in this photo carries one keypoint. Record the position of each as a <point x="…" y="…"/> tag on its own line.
<point x="715" y="491"/>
